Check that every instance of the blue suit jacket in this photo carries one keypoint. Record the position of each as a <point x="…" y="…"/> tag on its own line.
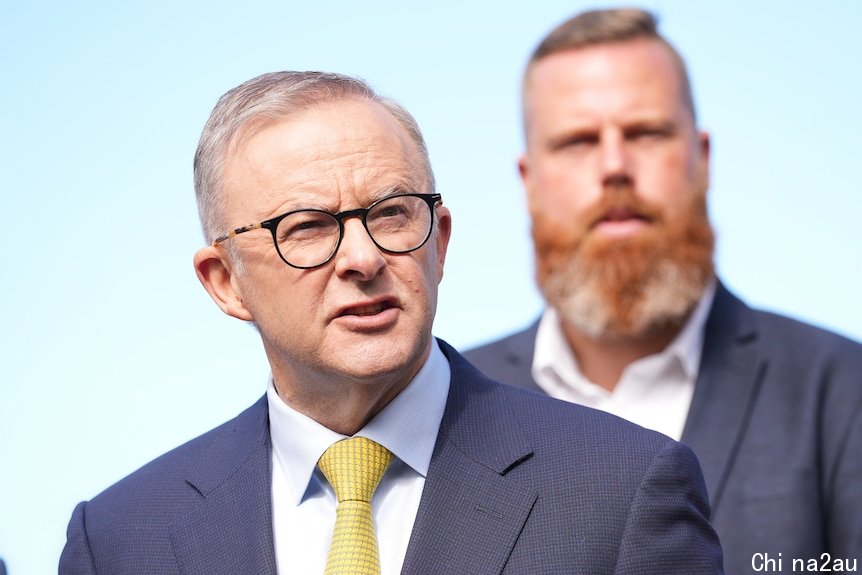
<point x="518" y="483"/>
<point x="775" y="421"/>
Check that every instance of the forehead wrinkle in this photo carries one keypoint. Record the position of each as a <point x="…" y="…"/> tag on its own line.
<point x="385" y="160"/>
<point x="368" y="178"/>
<point x="336" y="168"/>
<point x="379" y="168"/>
<point x="256" y="196"/>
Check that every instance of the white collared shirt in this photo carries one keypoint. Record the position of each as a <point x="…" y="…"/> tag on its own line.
<point x="304" y="503"/>
<point x="654" y="392"/>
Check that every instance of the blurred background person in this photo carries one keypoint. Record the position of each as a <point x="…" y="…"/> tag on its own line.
<point x="616" y="173"/>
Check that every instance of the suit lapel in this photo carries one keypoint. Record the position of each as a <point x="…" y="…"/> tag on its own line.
<point x="473" y="507"/>
<point x="518" y="356"/>
<point x="231" y="530"/>
<point x="512" y="362"/>
<point x="731" y="371"/>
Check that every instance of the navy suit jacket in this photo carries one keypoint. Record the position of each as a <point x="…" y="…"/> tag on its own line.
<point x="775" y="422"/>
<point x="518" y="483"/>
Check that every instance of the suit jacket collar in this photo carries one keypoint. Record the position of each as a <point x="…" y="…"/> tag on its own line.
<point x="731" y="372"/>
<point x="230" y="531"/>
<point x="472" y="509"/>
<point x="517" y="356"/>
<point x="469" y="517"/>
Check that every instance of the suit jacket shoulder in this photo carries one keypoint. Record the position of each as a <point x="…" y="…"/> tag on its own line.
<point x="522" y="483"/>
<point x="776" y="422"/>
<point x="168" y="516"/>
<point x="509" y="359"/>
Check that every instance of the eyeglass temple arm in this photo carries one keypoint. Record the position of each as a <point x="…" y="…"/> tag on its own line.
<point x="236" y="232"/>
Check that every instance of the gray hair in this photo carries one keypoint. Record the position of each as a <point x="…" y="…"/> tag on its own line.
<point x="265" y="99"/>
<point x="597" y="27"/>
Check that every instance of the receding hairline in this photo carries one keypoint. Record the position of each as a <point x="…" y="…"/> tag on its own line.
<point x="596" y="28"/>
<point x="255" y="124"/>
<point x="271" y="98"/>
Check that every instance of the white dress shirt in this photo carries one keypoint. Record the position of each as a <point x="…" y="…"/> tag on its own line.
<point x="654" y="392"/>
<point x="304" y="503"/>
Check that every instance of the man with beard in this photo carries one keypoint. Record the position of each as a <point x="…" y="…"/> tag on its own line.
<point x="616" y="173"/>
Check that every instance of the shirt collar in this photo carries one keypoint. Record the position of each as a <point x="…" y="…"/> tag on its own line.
<point x="407" y="426"/>
<point x="554" y="362"/>
<point x="687" y="346"/>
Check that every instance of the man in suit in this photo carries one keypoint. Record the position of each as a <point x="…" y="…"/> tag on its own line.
<point x="337" y="261"/>
<point x="616" y="173"/>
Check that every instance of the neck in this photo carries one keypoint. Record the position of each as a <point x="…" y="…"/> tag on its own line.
<point x="340" y="400"/>
<point x="342" y="411"/>
<point x="602" y="360"/>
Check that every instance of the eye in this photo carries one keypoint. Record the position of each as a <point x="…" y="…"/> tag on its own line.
<point x="393" y="210"/>
<point x="306" y="226"/>
<point x="390" y="211"/>
<point x="580" y="141"/>
<point x="647" y="133"/>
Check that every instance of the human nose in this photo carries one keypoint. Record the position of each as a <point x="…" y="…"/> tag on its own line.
<point x="614" y="157"/>
<point x="358" y="254"/>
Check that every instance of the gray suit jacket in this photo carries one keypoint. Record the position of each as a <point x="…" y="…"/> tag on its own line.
<point x="518" y="483"/>
<point x="776" y="421"/>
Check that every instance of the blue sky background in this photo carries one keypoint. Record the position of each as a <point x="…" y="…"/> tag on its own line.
<point x="111" y="353"/>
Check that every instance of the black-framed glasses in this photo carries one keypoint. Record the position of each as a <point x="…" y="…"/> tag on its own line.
<point x="309" y="238"/>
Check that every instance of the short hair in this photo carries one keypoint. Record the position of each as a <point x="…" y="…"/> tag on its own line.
<point x="597" y="27"/>
<point x="269" y="98"/>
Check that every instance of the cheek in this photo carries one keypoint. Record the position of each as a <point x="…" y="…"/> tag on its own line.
<point x="283" y="302"/>
<point x="431" y="275"/>
<point x="665" y="179"/>
<point x="556" y="204"/>
<point x="563" y="189"/>
<point x="419" y="277"/>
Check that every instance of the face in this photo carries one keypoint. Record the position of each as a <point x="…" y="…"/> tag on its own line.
<point x="363" y="318"/>
<point x="616" y="175"/>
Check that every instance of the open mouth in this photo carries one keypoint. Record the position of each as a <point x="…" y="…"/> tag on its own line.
<point x="366" y="309"/>
<point x="369" y="317"/>
<point x="371" y="309"/>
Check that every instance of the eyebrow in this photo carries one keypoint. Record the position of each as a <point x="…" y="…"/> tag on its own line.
<point x="302" y="200"/>
<point x="557" y="140"/>
<point x="392" y="190"/>
<point x="665" y="125"/>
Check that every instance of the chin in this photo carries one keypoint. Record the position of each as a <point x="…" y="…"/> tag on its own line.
<point x="384" y="357"/>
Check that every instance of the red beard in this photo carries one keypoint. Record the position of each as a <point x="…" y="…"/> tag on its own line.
<point x="625" y="287"/>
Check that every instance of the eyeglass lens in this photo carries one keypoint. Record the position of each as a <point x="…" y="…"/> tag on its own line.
<point x="400" y="224"/>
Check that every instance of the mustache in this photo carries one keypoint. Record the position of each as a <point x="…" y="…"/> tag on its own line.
<point x="619" y="202"/>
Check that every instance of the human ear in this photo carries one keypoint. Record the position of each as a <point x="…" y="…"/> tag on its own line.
<point x="704" y="148"/>
<point x="526" y="175"/>
<point x="444" y="231"/>
<point x="217" y="274"/>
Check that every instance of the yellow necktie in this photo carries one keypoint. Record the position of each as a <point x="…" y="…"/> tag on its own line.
<point x="354" y="467"/>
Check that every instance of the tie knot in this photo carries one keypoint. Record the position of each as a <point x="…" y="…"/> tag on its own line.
<point x="354" y="467"/>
